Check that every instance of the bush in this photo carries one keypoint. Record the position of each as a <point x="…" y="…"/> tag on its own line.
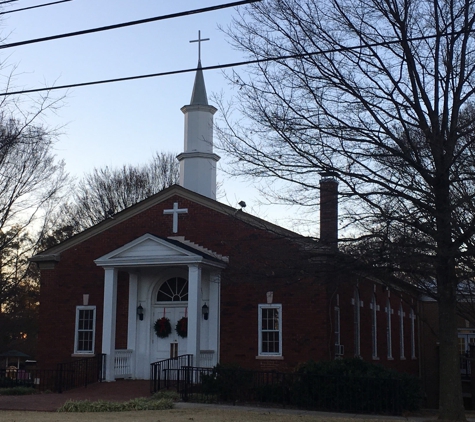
<point x="17" y="391"/>
<point x="166" y="394"/>
<point x="355" y="385"/>
<point x="227" y="382"/>
<point x="6" y="382"/>
<point x="141" y="403"/>
<point x="345" y="385"/>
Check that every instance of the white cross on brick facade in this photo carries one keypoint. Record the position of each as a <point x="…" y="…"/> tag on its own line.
<point x="175" y="211"/>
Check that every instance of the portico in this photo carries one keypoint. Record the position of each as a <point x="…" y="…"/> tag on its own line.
<point x="155" y="265"/>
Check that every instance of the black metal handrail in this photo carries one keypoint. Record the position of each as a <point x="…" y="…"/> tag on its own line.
<point x="165" y="372"/>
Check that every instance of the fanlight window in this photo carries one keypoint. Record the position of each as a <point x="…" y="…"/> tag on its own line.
<point x="173" y="290"/>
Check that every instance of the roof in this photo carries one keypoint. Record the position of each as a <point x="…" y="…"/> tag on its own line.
<point x="53" y="253"/>
<point x="149" y="250"/>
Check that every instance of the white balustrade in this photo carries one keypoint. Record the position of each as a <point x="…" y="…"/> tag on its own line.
<point x="123" y="363"/>
<point x="207" y="358"/>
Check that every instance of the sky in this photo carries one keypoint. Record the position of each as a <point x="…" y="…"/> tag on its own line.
<point x="124" y="122"/>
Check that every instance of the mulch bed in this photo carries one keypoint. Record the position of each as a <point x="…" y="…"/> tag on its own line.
<point x="120" y="390"/>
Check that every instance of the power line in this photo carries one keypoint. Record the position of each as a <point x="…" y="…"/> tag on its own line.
<point x="7" y="1"/>
<point x="31" y="7"/>
<point x="235" y="64"/>
<point x="131" y="23"/>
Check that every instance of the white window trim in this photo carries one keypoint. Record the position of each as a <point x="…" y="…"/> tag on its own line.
<point x="401" y="333"/>
<point x="413" y="334"/>
<point x="389" y="339"/>
<point x="357" y="323"/>
<point x="337" y="332"/>
<point x="76" y="331"/>
<point x="374" y="327"/>
<point x="259" y="328"/>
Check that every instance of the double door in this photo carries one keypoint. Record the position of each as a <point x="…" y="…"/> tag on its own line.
<point x="173" y="345"/>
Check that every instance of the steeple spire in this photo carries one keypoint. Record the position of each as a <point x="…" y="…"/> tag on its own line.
<point x="198" y="161"/>
<point x="199" y="96"/>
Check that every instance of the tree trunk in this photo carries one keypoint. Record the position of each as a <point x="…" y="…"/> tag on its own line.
<point x="450" y="390"/>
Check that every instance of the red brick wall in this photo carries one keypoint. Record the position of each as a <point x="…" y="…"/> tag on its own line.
<point x="259" y="261"/>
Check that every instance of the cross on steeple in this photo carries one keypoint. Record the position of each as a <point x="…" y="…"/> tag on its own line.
<point x="199" y="41"/>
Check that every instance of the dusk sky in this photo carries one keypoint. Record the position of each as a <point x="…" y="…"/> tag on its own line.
<point x="123" y="122"/>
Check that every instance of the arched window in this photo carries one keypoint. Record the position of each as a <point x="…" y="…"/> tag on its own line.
<point x="338" y="347"/>
<point x="173" y="290"/>
<point x="374" y="327"/>
<point x="356" y="300"/>
<point x="401" y="331"/>
<point x="413" y="334"/>
<point x="389" y="340"/>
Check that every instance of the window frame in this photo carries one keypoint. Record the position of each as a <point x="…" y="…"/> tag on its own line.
<point x="402" y="351"/>
<point x="389" y="338"/>
<point x="357" y="322"/>
<point x="260" y="330"/>
<point x="374" y="327"/>
<point x="412" y="317"/>
<point x="78" y="351"/>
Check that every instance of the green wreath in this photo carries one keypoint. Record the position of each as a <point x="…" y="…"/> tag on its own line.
<point x="182" y="327"/>
<point x="162" y="327"/>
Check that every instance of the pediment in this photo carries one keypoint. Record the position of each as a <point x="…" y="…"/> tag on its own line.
<point x="150" y="250"/>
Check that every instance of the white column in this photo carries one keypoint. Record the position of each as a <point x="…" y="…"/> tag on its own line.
<point x="214" y="312"/>
<point x="109" y="321"/>
<point x="194" y="312"/>
<point x="132" y="319"/>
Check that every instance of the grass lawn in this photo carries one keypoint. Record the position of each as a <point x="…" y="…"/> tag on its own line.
<point x="205" y="414"/>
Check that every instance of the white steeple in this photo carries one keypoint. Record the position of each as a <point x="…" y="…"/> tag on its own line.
<point x="198" y="161"/>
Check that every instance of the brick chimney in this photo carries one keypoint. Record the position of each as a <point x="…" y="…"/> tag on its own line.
<point x="329" y="210"/>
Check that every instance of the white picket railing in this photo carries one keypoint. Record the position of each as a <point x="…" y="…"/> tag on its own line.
<point x="207" y="359"/>
<point x="123" y="363"/>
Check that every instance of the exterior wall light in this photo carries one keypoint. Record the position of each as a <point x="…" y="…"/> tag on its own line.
<point x="140" y="312"/>
<point x="205" y="311"/>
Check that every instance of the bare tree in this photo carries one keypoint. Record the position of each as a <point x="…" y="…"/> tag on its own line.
<point x="104" y="192"/>
<point x="31" y="182"/>
<point x="379" y="92"/>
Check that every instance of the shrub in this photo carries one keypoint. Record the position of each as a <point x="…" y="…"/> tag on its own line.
<point x="17" y="391"/>
<point x="6" y="382"/>
<point x="227" y="382"/>
<point x="141" y="403"/>
<point x="355" y="385"/>
<point x="166" y="394"/>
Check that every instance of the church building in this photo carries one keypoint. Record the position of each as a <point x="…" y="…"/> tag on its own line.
<point x="181" y="273"/>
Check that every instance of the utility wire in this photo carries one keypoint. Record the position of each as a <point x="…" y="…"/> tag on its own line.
<point x="131" y="23"/>
<point x="235" y="64"/>
<point x="7" y="1"/>
<point x="32" y="7"/>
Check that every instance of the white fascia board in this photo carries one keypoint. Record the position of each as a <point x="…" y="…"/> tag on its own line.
<point x="157" y="262"/>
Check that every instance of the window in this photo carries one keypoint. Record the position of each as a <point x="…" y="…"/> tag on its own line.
<point x="374" y="327"/>
<point x="401" y="331"/>
<point x="173" y="290"/>
<point x="388" y="331"/>
<point x="337" y="326"/>
<point x="356" y="322"/>
<point x="413" y="334"/>
<point x="270" y="330"/>
<point x="85" y="329"/>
